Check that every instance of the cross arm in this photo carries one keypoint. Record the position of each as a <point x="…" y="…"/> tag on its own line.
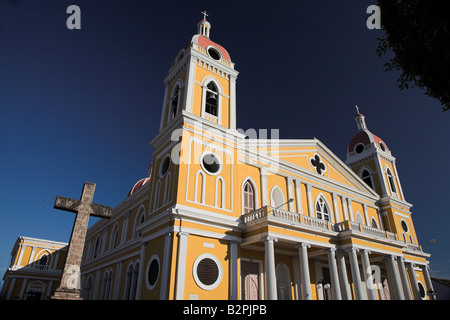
<point x="100" y="211"/>
<point x="67" y="204"/>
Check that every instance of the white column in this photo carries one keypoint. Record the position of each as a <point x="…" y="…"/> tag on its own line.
<point x="271" y="281"/>
<point x="310" y="201"/>
<point x="366" y="215"/>
<point x="371" y="288"/>
<point x="404" y="278"/>
<point x="264" y="192"/>
<point x="162" y="121"/>
<point x="335" y="285"/>
<point x="304" y="270"/>
<point x="181" y="265"/>
<point x="350" y="209"/>
<point x="344" y="208"/>
<point x="428" y="282"/>
<point x="141" y="271"/>
<point x="335" y="207"/>
<point x="400" y="190"/>
<point x="381" y="177"/>
<point x="413" y="280"/>
<point x="354" y="266"/>
<point x="234" y="269"/>
<point x="298" y="196"/>
<point x="165" y="266"/>
<point x="343" y="278"/>
<point x="290" y="193"/>
<point x="117" y="279"/>
<point x="190" y="83"/>
<point x="232" y="101"/>
<point x="394" y="277"/>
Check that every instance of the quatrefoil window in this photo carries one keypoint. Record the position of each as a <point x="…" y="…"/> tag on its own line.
<point x="318" y="164"/>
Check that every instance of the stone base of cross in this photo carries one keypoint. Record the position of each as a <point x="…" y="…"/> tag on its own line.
<point x="69" y="288"/>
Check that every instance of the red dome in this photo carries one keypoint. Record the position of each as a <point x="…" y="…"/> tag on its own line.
<point x="205" y="42"/>
<point x="137" y="185"/>
<point x="365" y="137"/>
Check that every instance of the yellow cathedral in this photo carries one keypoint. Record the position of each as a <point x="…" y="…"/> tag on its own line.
<point x="225" y="214"/>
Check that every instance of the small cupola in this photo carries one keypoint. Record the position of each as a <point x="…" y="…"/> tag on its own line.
<point x="360" y="122"/>
<point x="203" y="27"/>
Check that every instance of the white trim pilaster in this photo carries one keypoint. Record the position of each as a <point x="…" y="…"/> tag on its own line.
<point x="298" y="196"/>
<point x="335" y="285"/>
<point x="304" y="270"/>
<point x="181" y="265"/>
<point x="354" y="266"/>
<point x="165" y="266"/>
<point x="271" y="281"/>
<point x="264" y="191"/>
<point x="404" y="278"/>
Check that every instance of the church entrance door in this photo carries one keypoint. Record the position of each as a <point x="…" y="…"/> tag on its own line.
<point x="250" y="280"/>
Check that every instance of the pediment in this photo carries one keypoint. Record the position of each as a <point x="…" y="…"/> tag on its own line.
<point x="312" y="159"/>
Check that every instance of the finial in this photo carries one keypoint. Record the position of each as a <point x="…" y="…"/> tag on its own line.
<point x="357" y="109"/>
<point x="204" y="15"/>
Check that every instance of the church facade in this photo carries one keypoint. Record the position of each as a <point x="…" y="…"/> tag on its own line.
<point x="225" y="214"/>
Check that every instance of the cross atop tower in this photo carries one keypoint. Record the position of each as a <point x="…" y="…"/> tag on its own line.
<point x="204" y="15"/>
<point x="357" y="109"/>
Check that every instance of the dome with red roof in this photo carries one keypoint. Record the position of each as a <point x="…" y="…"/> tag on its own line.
<point x="364" y="138"/>
<point x="210" y="45"/>
<point x="138" y="185"/>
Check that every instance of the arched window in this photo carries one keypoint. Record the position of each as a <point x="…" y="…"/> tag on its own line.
<point x="199" y="195"/>
<point x="322" y="210"/>
<point x="106" y="288"/>
<point x="212" y="98"/>
<point x="374" y="223"/>
<point x="174" y="101"/>
<point x="219" y="198"/>
<point x="359" y="218"/>
<point x="249" y="197"/>
<point x="115" y="236"/>
<point x="43" y="262"/>
<point x="367" y="177"/>
<point x="277" y="198"/>
<point x="128" y="282"/>
<point x="156" y="195"/>
<point x="390" y="177"/>
<point x="140" y="218"/>
<point x="97" y="247"/>
<point x="88" y="289"/>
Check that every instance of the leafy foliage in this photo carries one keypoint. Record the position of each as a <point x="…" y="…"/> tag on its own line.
<point x="417" y="32"/>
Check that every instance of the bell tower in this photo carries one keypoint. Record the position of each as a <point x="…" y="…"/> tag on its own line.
<point x="201" y="82"/>
<point x="371" y="159"/>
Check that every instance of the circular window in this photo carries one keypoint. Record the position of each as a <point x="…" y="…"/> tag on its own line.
<point x="423" y="293"/>
<point x="404" y="225"/>
<point x="359" y="148"/>
<point x="214" y="53"/>
<point x="207" y="271"/>
<point x="152" y="272"/>
<point x="382" y="146"/>
<point x="165" y="164"/>
<point x="211" y="163"/>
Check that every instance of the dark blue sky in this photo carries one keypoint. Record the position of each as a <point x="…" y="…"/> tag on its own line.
<point x="82" y="105"/>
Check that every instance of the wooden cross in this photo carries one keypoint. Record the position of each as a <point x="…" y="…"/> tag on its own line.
<point x="204" y="15"/>
<point x="69" y="287"/>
